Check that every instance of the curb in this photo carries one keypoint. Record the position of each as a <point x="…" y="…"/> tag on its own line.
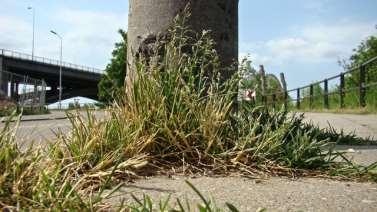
<point x="36" y="119"/>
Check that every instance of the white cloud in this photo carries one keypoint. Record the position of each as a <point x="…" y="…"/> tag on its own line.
<point x="12" y="33"/>
<point x="88" y="36"/>
<point x="255" y="58"/>
<point x="314" y="43"/>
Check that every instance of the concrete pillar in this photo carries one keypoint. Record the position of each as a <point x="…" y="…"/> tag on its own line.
<point x="2" y="94"/>
<point x="35" y="96"/>
<point x="3" y="80"/>
<point x="54" y="89"/>
<point x="12" y="88"/>
<point x="150" y="19"/>
<point x="43" y="94"/>
<point x="16" y="97"/>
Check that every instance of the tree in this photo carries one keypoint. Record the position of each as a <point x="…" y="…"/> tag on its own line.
<point x="364" y="52"/>
<point x="112" y="82"/>
<point x="149" y="21"/>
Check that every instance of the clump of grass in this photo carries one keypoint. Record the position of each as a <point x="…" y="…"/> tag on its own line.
<point x="89" y="149"/>
<point x="32" y="180"/>
<point x="17" y="168"/>
<point x="35" y="180"/>
<point x="178" y="108"/>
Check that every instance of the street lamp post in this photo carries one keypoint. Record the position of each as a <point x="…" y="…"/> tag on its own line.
<point x="60" y="70"/>
<point x="33" y="41"/>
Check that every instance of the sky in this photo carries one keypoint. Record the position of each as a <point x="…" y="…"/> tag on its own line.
<point x="302" y="38"/>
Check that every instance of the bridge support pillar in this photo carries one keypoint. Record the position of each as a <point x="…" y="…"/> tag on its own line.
<point x="43" y="94"/>
<point x="12" y="85"/>
<point x="16" y="90"/>
<point x="3" y="80"/>
<point x="35" y="94"/>
<point x="54" y="89"/>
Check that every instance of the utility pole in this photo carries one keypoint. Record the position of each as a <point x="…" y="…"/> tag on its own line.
<point x="60" y="70"/>
<point x="33" y="41"/>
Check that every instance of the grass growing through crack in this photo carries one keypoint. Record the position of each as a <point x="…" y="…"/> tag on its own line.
<point x="147" y="204"/>
<point x="30" y="179"/>
<point x="178" y="110"/>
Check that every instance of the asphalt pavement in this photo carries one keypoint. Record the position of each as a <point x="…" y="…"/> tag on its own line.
<point x="41" y="129"/>
<point x="364" y="126"/>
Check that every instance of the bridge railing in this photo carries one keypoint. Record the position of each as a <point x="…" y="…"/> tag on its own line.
<point x="354" y="88"/>
<point x="23" y="56"/>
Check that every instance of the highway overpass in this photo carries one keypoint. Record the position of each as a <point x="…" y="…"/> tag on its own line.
<point x="77" y="80"/>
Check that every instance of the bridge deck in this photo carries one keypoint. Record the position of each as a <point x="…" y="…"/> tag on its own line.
<point x="77" y="80"/>
<point x="37" y="59"/>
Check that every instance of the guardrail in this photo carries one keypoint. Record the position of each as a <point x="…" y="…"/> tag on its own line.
<point x="23" y="56"/>
<point x="363" y="85"/>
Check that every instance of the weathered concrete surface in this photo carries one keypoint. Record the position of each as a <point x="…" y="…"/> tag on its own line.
<point x="149" y="20"/>
<point x="274" y="194"/>
<point x="40" y="132"/>
<point x="364" y="126"/>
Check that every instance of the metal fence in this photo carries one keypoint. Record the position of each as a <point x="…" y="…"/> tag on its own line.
<point x="353" y="85"/>
<point x="23" y="56"/>
<point x="22" y="90"/>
